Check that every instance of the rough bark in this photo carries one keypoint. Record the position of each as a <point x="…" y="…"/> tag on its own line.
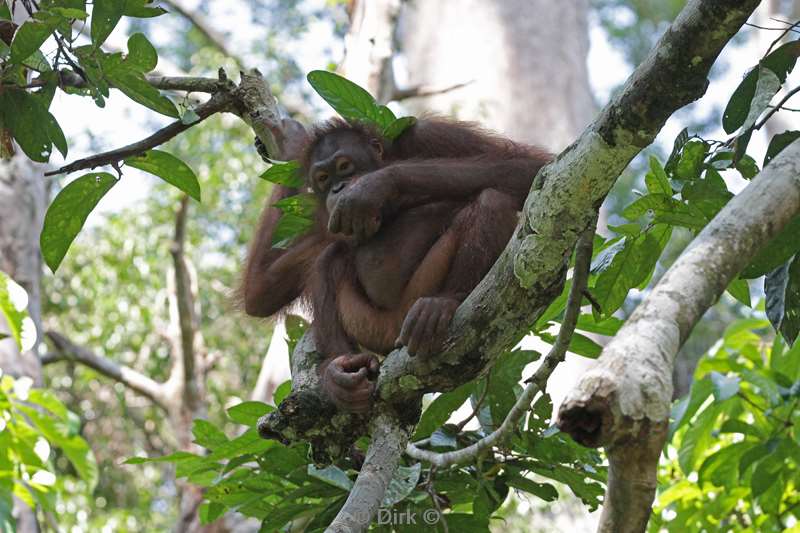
<point x="564" y="199"/>
<point x="624" y="403"/>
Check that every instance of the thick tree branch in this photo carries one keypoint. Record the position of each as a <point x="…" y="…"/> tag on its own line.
<point x="537" y="382"/>
<point x="389" y="438"/>
<point x="623" y="403"/>
<point x="530" y="272"/>
<point x="66" y="350"/>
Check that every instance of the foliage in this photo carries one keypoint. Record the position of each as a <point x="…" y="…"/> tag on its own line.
<point x="32" y="423"/>
<point x="734" y="458"/>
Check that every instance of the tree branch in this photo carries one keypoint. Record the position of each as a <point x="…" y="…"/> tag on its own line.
<point x="181" y="309"/>
<point x="537" y="382"/>
<point x="623" y="403"/>
<point x="423" y="90"/>
<point x="389" y="437"/>
<point x="217" y="103"/>
<point x="66" y="350"/>
<point x="529" y="274"/>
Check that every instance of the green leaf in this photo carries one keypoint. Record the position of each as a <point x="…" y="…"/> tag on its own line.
<point x="13" y="305"/>
<point x="141" y="53"/>
<point x="69" y="12"/>
<point x="68" y="212"/>
<point x="440" y="409"/>
<point x="691" y="161"/>
<point x="397" y="127"/>
<point x="47" y="399"/>
<point x="29" y="37"/>
<point x="169" y="168"/>
<point x="724" y="386"/>
<point x="747" y="167"/>
<point x="207" y="434"/>
<point x="767" y="87"/>
<point x="248" y="413"/>
<point x="142" y="9"/>
<point x="345" y="97"/>
<point x="331" y="475"/>
<point x="656" y="180"/>
<point x="105" y="16"/>
<point x="74" y="447"/>
<point x="722" y="467"/>
<point x="685" y="409"/>
<point x="630" y="266"/>
<point x="776" y="252"/>
<point x="584" y="346"/>
<point x="778" y="143"/>
<point x="607" y="327"/>
<point x="698" y="439"/>
<point x="286" y="174"/>
<point x="282" y="391"/>
<point x="780" y="62"/>
<point x="210" y="511"/>
<point x="677" y="146"/>
<point x="31" y="124"/>
<point x="303" y="205"/>
<point x="289" y="227"/>
<point x="766" y="473"/>
<point x="402" y="484"/>
<point x="740" y="289"/>
<point x="782" y="288"/>
<point x="545" y="491"/>
<point x="125" y="77"/>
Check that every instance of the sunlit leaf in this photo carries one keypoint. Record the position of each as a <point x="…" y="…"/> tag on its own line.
<point x="287" y="174"/>
<point x="169" y="168"/>
<point x="346" y="98"/>
<point x="68" y="212"/>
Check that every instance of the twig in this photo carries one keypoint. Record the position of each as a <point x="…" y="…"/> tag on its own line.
<point x="69" y="351"/>
<point x="478" y="404"/>
<point x="791" y="27"/>
<point x="421" y="90"/>
<point x="537" y="382"/>
<point x="217" y="103"/>
<point x="210" y="34"/>
<point x="777" y="108"/>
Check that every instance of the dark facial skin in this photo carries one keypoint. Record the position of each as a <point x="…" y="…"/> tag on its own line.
<point x="337" y="161"/>
<point x="423" y="219"/>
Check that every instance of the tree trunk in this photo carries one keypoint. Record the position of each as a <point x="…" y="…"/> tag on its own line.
<point x="525" y="59"/>
<point x="23" y="196"/>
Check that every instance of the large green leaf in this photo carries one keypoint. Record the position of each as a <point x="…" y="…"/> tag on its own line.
<point x="287" y="174"/>
<point x="68" y="212"/>
<point x="396" y="127"/>
<point x="657" y="180"/>
<point x="767" y="86"/>
<point x="348" y="99"/>
<point x="780" y="62"/>
<point x="29" y="37"/>
<point x="440" y="409"/>
<point x="141" y="53"/>
<point x="403" y="481"/>
<point x="31" y="124"/>
<point x="782" y="288"/>
<point x="289" y="227"/>
<point x="248" y="413"/>
<point x="169" y="168"/>
<point x="631" y="264"/>
<point x="105" y="16"/>
<point x="128" y="78"/>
